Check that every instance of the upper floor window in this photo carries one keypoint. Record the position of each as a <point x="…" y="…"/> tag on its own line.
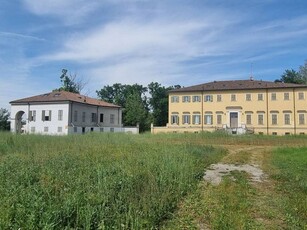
<point x="112" y="118"/>
<point x="94" y="117"/>
<point x="301" y="96"/>
<point x="219" y="97"/>
<point x="186" y="98"/>
<point x="208" y="98"/>
<point x="174" y="99"/>
<point x="101" y="117"/>
<point x="260" y="96"/>
<point x="273" y="96"/>
<point x="196" y="98"/>
<point x="32" y="115"/>
<point x="75" y="116"/>
<point x="233" y="97"/>
<point x="83" y="116"/>
<point x="286" y="96"/>
<point x="60" y="115"/>
<point x="46" y="115"/>
<point x="248" y="97"/>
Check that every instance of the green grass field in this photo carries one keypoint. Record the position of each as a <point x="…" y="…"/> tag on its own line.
<point x="97" y="181"/>
<point x="121" y="181"/>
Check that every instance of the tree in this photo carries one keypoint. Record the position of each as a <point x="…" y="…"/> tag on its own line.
<point x="303" y="72"/>
<point x="136" y="112"/>
<point x="71" y="83"/>
<point x="4" y="119"/>
<point x="291" y="76"/>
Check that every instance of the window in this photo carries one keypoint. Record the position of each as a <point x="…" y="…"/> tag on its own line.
<point x="248" y="119"/>
<point x="32" y="115"/>
<point x="260" y="119"/>
<point x="75" y="129"/>
<point x="60" y="115"/>
<point x="101" y="117"/>
<point x="174" y="99"/>
<point x="196" y="119"/>
<point x="196" y="98"/>
<point x="273" y="96"/>
<point x="101" y="130"/>
<point x="175" y="119"/>
<point x="46" y="115"/>
<point x="301" y="119"/>
<point x="208" y="98"/>
<point x="286" y="96"/>
<point x="186" y="99"/>
<point x="260" y="97"/>
<point x="94" y="117"/>
<point x="287" y="119"/>
<point x="60" y="129"/>
<point x="112" y="130"/>
<point x="83" y="116"/>
<point x="233" y="97"/>
<point x="219" y="97"/>
<point x="46" y="129"/>
<point x="274" y="119"/>
<point x="219" y="119"/>
<point x="75" y="116"/>
<point x="112" y="116"/>
<point x="274" y="133"/>
<point x="186" y="119"/>
<point x="32" y="129"/>
<point x="208" y="119"/>
<point x="92" y="129"/>
<point x="301" y="96"/>
<point x="248" y="97"/>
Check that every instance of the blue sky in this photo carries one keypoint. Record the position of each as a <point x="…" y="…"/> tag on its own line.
<point x="139" y="41"/>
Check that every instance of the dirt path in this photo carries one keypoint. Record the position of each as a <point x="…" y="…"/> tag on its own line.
<point x="254" y="161"/>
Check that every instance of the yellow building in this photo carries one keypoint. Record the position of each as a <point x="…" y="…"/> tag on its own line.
<point x="242" y="106"/>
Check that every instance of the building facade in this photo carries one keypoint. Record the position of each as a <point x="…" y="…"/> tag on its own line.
<point x="243" y="106"/>
<point x="61" y="113"/>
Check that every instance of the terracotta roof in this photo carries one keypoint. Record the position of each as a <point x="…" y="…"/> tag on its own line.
<point x="238" y="85"/>
<point x="61" y="96"/>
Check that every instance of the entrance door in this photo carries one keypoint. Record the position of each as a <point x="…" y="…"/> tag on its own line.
<point x="233" y="120"/>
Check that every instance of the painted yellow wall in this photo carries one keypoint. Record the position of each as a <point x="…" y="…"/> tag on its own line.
<point x="294" y="106"/>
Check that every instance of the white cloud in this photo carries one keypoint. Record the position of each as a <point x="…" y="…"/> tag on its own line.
<point x="69" y="11"/>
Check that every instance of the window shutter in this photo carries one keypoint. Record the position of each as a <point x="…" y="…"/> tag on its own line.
<point x="30" y="116"/>
<point x="49" y="115"/>
<point x="43" y="115"/>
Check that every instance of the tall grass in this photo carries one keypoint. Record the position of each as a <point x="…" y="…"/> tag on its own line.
<point x="97" y="181"/>
<point x="292" y="183"/>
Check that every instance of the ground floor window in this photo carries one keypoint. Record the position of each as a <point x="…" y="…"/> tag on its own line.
<point x="260" y="119"/>
<point x="287" y="119"/>
<point x="301" y="118"/>
<point x="46" y="129"/>
<point x="208" y="119"/>
<point x="186" y="119"/>
<point x="274" y="119"/>
<point x="196" y="119"/>
<point x="175" y="119"/>
<point x="60" y="129"/>
<point x="75" y="129"/>
<point x="248" y="119"/>
<point x="219" y="119"/>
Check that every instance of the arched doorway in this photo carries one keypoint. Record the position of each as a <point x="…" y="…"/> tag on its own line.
<point x="20" y="122"/>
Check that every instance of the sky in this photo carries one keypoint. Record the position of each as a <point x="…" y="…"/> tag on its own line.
<point x="172" y="42"/>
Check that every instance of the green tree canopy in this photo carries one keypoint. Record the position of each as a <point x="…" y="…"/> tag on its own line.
<point x="70" y="83"/>
<point x="4" y="119"/>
